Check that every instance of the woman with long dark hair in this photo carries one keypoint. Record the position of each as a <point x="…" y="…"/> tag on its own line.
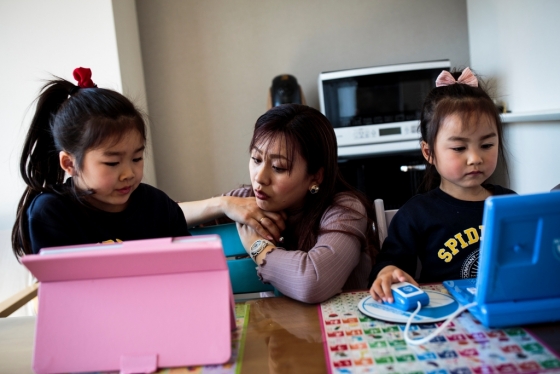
<point x="322" y="239"/>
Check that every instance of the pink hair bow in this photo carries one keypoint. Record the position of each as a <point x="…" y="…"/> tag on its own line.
<point x="83" y="76"/>
<point x="467" y="77"/>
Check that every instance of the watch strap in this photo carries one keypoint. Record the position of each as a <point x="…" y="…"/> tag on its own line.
<point x="258" y="246"/>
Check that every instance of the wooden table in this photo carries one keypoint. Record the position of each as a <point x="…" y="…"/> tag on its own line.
<point x="283" y="336"/>
<point x="16" y="344"/>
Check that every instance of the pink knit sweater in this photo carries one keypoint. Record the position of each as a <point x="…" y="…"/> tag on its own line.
<point x="335" y="263"/>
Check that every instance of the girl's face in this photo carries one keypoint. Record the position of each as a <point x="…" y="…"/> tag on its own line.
<point x="113" y="172"/>
<point x="277" y="189"/>
<point x="465" y="156"/>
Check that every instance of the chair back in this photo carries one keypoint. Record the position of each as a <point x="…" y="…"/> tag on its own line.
<point x="383" y="217"/>
<point x="242" y="273"/>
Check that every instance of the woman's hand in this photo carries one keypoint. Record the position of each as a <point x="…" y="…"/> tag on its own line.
<point x="247" y="235"/>
<point x="244" y="210"/>
<point x="381" y="288"/>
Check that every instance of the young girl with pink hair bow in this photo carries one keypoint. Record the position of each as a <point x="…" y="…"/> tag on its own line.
<point x="462" y="144"/>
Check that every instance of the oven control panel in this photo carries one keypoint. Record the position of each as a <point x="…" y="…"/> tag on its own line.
<point x="386" y="138"/>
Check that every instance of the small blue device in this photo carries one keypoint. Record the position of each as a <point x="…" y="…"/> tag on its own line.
<point x="407" y="296"/>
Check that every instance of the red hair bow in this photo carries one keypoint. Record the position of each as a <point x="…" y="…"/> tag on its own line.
<point x="83" y="76"/>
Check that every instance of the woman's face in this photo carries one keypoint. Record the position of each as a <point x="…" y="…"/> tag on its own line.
<point x="277" y="188"/>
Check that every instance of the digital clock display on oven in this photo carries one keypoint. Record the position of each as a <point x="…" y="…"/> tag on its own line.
<point x="390" y="131"/>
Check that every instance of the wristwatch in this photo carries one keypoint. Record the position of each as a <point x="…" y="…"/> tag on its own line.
<point x="257" y="247"/>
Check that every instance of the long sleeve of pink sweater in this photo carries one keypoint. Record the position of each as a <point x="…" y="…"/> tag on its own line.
<point x="335" y="263"/>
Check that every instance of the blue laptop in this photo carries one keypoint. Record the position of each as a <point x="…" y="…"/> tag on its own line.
<point x="518" y="278"/>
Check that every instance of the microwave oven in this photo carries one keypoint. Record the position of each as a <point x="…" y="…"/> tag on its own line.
<point x="376" y="110"/>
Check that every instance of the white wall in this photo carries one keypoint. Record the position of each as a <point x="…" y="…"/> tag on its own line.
<point x="41" y="39"/>
<point x="517" y="43"/>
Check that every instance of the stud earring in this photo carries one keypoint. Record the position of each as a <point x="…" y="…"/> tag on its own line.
<point x="314" y="189"/>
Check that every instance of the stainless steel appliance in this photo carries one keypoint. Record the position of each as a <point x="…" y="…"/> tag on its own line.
<point x="375" y="113"/>
<point x="376" y="110"/>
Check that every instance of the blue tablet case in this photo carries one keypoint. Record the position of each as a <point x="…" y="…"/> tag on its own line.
<point x="518" y="278"/>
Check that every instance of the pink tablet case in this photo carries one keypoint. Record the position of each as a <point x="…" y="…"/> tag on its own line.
<point x="132" y="306"/>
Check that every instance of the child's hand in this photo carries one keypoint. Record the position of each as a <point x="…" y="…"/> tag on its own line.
<point x="381" y="288"/>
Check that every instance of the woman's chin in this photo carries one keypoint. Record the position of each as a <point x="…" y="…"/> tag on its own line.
<point x="262" y="204"/>
<point x="266" y="205"/>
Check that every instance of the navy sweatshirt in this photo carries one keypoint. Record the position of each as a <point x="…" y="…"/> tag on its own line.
<point x="441" y="231"/>
<point x="59" y="220"/>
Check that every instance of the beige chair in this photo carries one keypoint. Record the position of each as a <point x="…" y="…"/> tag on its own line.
<point x="384" y="218"/>
<point x="13" y="303"/>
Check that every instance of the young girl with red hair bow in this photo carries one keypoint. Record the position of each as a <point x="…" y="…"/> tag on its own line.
<point x="97" y="137"/>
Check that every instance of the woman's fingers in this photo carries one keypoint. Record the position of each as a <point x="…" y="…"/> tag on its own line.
<point x="278" y="218"/>
<point x="259" y="226"/>
<point x="271" y="228"/>
<point x="245" y="210"/>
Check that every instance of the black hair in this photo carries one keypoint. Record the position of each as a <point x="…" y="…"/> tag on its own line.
<point x="74" y="120"/>
<point x="470" y="104"/>
<point x="307" y="132"/>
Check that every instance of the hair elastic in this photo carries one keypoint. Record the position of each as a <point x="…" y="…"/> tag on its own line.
<point x="83" y="76"/>
<point x="467" y="77"/>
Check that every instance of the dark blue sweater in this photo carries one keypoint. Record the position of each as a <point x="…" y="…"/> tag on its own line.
<point x="59" y="220"/>
<point x="443" y="232"/>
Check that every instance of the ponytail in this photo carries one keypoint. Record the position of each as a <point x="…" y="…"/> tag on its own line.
<point x="73" y="119"/>
<point x="39" y="164"/>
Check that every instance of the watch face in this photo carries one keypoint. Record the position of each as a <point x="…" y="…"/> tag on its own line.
<point x="256" y="245"/>
<point x="257" y="248"/>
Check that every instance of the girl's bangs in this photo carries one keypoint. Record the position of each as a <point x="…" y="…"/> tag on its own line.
<point x="471" y="112"/>
<point x="108" y="131"/>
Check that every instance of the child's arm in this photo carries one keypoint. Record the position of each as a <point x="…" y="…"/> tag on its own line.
<point x="381" y="288"/>
<point x="52" y="222"/>
<point x="239" y="209"/>
<point x="398" y="257"/>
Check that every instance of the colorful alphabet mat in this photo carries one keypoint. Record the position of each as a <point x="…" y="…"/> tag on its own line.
<point x="237" y="345"/>
<point x="355" y="343"/>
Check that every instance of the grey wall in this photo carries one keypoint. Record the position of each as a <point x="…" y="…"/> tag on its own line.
<point x="209" y="64"/>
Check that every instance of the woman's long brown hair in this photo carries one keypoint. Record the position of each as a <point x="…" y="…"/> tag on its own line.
<point x="309" y="133"/>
